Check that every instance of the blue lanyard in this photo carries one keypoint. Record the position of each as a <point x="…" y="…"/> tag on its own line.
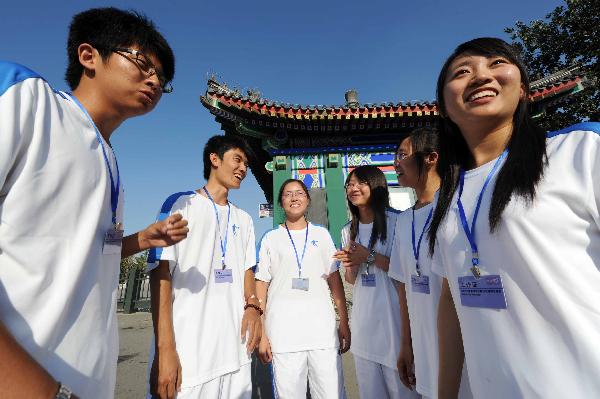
<point x="223" y="242"/>
<point x="470" y="232"/>
<point x="417" y="247"/>
<point x="298" y="260"/>
<point x="114" y="189"/>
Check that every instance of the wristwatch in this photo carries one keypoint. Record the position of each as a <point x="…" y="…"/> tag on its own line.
<point x="371" y="257"/>
<point x="63" y="392"/>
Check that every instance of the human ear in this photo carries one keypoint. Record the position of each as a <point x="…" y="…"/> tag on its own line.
<point x="215" y="161"/>
<point x="87" y="56"/>
<point x="432" y="159"/>
<point x="522" y="92"/>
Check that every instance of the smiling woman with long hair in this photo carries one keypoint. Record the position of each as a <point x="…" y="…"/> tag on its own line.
<point x="375" y="323"/>
<point x="516" y="236"/>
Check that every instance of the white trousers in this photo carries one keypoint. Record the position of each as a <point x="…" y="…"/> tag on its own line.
<point x="236" y="385"/>
<point x="322" y="368"/>
<point x="376" y="381"/>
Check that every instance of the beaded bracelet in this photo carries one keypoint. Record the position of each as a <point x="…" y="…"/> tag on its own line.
<point x="253" y="306"/>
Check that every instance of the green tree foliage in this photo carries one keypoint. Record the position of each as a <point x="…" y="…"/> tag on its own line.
<point x="136" y="261"/>
<point x="568" y="35"/>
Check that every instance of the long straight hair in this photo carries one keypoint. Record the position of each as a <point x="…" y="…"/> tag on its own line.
<point x="379" y="201"/>
<point x="526" y="160"/>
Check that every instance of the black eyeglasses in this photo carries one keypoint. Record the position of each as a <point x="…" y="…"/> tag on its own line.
<point x="146" y="66"/>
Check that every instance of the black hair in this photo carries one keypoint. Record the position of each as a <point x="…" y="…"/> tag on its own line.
<point x="526" y="160"/>
<point x="220" y="145"/>
<point x="107" y="28"/>
<point x="424" y="141"/>
<point x="288" y="181"/>
<point x="379" y="201"/>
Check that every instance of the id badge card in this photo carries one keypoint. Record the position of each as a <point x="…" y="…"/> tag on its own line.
<point x="223" y="276"/>
<point x="368" y="280"/>
<point x="300" y="284"/>
<point x="113" y="239"/>
<point x="420" y="284"/>
<point x="482" y="292"/>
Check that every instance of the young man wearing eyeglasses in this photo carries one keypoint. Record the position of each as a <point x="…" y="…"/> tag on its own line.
<point x="204" y="306"/>
<point x="61" y="206"/>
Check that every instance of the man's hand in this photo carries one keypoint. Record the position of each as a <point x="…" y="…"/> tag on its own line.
<point x="165" y="374"/>
<point x="251" y="323"/>
<point x="264" y="350"/>
<point x="164" y="233"/>
<point x="406" y="366"/>
<point x="344" y="336"/>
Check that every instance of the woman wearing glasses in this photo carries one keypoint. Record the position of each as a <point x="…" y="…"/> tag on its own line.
<point x="295" y="273"/>
<point x="366" y="246"/>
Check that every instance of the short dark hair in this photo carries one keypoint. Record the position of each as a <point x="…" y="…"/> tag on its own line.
<point x="219" y="145"/>
<point x="107" y="28"/>
<point x="288" y="181"/>
<point x="379" y="201"/>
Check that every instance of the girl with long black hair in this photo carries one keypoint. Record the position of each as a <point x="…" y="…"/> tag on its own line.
<point x="516" y="236"/>
<point x="375" y="322"/>
<point x="418" y="288"/>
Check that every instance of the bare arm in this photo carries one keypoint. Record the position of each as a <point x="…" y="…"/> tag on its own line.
<point x="339" y="298"/>
<point x="165" y="375"/>
<point x="160" y="234"/>
<point x="22" y="376"/>
<point x="264" y="349"/>
<point x="450" y="346"/>
<point x="251" y="321"/>
<point x="406" y="357"/>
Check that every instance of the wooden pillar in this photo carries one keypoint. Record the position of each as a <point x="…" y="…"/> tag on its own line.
<point x="282" y="170"/>
<point x="336" y="196"/>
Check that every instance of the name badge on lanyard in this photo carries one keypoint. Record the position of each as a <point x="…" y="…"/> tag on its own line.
<point x="298" y="283"/>
<point x="223" y="275"/>
<point x="113" y="238"/>
<point x="368" y="280"/>
<point x="477" y="290"/>
<point x="482" y="292"/>
<point x="419" y="282"/>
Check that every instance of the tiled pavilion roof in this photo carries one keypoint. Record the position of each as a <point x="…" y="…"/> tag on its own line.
<point x="273" y="127"/>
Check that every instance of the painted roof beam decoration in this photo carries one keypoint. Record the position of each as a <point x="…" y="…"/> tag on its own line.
<point x="274" y="128"/>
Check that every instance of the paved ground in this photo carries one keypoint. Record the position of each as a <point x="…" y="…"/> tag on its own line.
<point x="135" y="333"/>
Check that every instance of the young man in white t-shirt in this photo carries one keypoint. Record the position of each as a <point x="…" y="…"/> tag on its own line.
<point x="204" y="307"/>
<point x="61" y="206"/>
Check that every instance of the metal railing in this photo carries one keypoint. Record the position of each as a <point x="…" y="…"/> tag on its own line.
<point x="133" y="293"/>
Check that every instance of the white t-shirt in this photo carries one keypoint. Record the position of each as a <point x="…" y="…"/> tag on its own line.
<point x="57" y="289"/>
<point x="298" y="320"/>
<point x="545" y="344"/>
<point x="207" y="316"/>
<point x="421" y="307"/>
<point x="375" y="320"/>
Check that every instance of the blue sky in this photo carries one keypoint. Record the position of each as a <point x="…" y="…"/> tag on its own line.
<point x="307" y="52"/>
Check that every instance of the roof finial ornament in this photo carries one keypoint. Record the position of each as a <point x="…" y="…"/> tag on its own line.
<point x="352" y="98"/>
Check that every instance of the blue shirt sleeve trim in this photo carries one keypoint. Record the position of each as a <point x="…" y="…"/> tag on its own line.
<point x="584" y="126"/>
<point x="165" y="209"/>
<point x="11" y="74"/>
